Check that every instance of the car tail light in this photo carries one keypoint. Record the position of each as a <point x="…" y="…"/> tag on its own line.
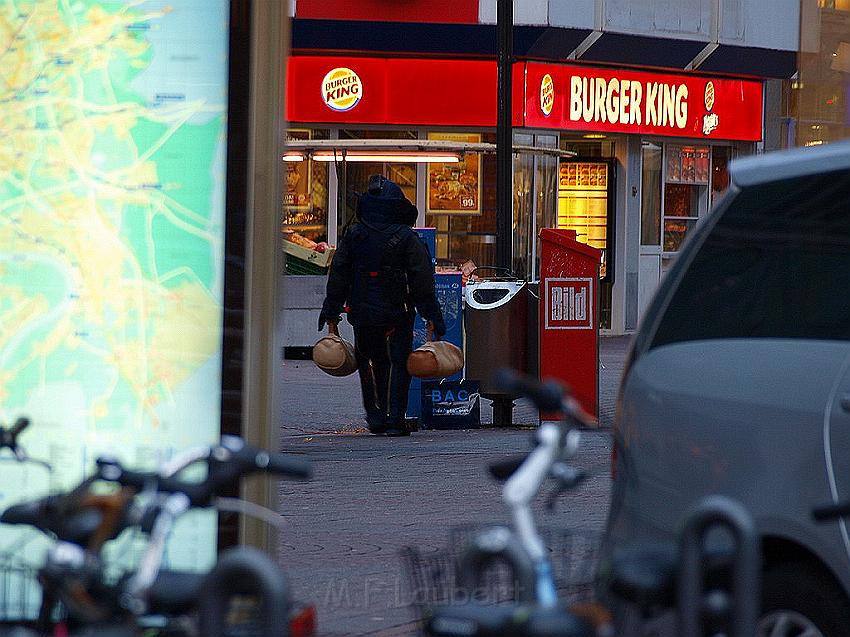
<point x="302" y="622"/>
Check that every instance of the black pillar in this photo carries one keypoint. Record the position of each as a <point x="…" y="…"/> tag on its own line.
<point x="503" y="405"/>
<point x="504" y="134"/>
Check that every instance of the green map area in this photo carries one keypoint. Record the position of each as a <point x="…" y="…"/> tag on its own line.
<point x="113" y="124"/>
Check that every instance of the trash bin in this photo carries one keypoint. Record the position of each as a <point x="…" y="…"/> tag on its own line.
<point x="496" y="322"/>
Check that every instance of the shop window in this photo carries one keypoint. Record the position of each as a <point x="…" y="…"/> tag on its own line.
<point x="720" y="158"/>
<point x="546" y="190"/>
<point x="357" y="173"/>
<point x="305" y="192"/>
<point x="461" y="205"/>
<point x="650" y="205"/>
<point x="305" y="196"/>
<point x="685" y="192"/>
<point x="523" y="207"/>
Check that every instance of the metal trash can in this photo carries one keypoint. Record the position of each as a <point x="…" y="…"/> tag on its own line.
<point x="496" y="323"/>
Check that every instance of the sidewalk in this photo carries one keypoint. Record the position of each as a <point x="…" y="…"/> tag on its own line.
<point x="371" y="496"/>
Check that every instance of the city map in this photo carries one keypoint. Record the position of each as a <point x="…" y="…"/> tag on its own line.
<point x="112" y="175"/>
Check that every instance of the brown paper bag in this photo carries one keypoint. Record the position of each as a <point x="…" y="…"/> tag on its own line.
<point x="333" y="354"/>
<point x="435" y="359"/>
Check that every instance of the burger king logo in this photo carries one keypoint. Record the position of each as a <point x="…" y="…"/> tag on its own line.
<point x="709" y="96"/>
<point x="342" y="89"/>
<point x="547" y="94"/>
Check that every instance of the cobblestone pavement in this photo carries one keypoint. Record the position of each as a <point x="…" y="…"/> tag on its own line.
<point x="372" y="496"/>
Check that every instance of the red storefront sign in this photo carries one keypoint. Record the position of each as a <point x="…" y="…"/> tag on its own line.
<point x="461" y="11"/>
<point x="625" y="101"/>
<point x="399" y="91"/>
<point x="436" y="92"/>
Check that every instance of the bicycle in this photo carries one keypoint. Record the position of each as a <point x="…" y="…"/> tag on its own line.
<point x="537" y="610"/>
<point x="74" y="574"/>
<point x="711" y="591"/>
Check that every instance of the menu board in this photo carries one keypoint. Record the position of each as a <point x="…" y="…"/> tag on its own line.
<point x="583" y="202"/>
<point x="455" y="188"/>
<point x="112" y="242"/>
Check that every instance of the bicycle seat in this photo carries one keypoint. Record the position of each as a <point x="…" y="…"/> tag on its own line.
<point x="471" y="620"/>
<point x="175" y="592"/>
<point x="481" y="620"/>
<point x="645" y="575"/>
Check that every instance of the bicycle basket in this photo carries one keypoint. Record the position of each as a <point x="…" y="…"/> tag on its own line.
<point x="20" y="593"/>
<point x="432" y="577"/>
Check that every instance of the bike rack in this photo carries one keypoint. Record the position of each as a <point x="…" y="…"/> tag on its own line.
<point x="245" y="570"/>
<point x="741" y="612"/>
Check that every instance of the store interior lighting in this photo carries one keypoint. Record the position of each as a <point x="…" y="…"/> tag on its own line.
<point x="399" y="156"/>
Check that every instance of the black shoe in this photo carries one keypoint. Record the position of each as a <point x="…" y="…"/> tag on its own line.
<point x="396" y="430"/>
<point x="376" y="425"/>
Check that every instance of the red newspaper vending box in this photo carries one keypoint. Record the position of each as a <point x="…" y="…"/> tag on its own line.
<point x="569" y="314"/>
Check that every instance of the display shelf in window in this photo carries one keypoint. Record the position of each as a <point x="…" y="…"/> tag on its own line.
<point x="688" y="164"/>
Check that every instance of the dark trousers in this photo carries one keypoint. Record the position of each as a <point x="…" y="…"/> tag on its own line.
<point x="381" y="354"/>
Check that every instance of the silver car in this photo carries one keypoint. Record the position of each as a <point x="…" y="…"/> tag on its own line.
<point x="738" y="383"/>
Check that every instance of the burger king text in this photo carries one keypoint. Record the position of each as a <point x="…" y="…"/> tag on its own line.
<point x="347" y="86"/>
<point x="595" y="99"/>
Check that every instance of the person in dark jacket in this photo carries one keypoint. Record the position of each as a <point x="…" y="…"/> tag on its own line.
<point x="383" y="273"/>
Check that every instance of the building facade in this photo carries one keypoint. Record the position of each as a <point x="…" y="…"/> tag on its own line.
<point x="649" y="99"/>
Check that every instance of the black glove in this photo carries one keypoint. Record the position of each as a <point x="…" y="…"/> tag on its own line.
<point x="323" y="318"/>
<point x="439" y="326"/>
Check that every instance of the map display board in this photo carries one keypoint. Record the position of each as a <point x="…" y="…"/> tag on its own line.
<point x="112" y="190"/>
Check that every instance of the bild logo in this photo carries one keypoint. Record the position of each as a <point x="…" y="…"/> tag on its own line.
<point x="569" y="304"/>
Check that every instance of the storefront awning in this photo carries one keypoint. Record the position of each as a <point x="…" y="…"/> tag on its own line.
<point x="399" y="150"/>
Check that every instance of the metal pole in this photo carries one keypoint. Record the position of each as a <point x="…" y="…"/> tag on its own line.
<point x="504" y="134"/>
<point x="503" y="405"/>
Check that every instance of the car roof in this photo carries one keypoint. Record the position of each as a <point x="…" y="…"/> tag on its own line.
<point x="787" y="164"/>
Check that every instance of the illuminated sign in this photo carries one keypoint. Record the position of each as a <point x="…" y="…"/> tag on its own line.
<point x="710" y="121"/>
<point x="547" y="94"/>
<point x="607" y="100"/>
<point x="342" y="89"/>
<point x="624" y="101"/>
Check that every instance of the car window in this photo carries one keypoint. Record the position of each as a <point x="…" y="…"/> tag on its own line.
<point x="776" y="264"/>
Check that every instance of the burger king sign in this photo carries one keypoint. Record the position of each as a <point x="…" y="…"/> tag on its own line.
<point x="547" y="94"/>
<point x="342" y="89"/>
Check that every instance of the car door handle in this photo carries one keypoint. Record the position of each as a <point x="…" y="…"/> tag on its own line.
<point x="845" y="402"/>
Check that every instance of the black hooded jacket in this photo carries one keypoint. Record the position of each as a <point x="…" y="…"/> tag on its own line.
<point x="382" y="269"/>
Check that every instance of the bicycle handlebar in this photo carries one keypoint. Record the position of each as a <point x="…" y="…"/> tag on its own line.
<point x="548" y="395"/>
<point x="226" y="462"/>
